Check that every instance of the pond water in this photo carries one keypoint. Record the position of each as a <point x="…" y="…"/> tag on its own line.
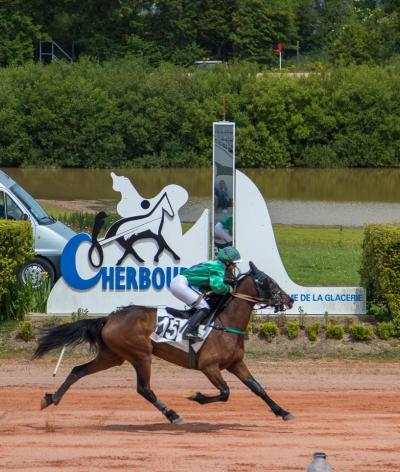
<point x="348" y="197"/>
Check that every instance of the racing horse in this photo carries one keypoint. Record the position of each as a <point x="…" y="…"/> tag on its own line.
<point x="125" y="335"/>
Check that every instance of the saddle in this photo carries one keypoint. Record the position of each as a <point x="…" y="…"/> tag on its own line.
<point x="215" y="301"/>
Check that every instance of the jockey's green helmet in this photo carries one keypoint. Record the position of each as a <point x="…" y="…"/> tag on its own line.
<point x="229" y="254"/>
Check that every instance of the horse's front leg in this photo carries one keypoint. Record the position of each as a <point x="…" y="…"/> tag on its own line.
<point x="215" y="377"/>
<point x="242" y="372"/>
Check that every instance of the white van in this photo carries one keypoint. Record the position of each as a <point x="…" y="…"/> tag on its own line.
<point x="49" y="235"/>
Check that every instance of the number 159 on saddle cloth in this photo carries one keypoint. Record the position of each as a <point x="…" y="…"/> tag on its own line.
<point x="170" y="329"/>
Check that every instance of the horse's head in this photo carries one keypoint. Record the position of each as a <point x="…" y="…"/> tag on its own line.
<point x="269" y="291"/>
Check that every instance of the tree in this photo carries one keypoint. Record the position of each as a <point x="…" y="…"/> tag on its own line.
<point x="17" y="34"/>
<point x="258" y="27"/>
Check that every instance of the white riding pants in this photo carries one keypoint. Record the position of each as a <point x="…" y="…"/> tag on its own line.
<point x="180" y="288"/>
<point x="221" y="233"/>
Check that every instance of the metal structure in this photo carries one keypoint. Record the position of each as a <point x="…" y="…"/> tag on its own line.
<point x="53" y="51"/>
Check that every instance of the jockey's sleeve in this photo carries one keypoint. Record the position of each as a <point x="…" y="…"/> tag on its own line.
<point x="217" y="284"/>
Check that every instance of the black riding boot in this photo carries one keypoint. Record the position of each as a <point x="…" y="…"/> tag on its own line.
<point x="194" y="323"/>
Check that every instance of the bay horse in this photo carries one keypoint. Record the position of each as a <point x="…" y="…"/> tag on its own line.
<point x="125" y="335"/>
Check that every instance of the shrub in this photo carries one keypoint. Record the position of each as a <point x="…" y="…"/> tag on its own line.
<point x="334" y="331"/>
<point x="380" y="266"/>
<point x="384" y="330"/>
<point x="81" y="314"/>
<point x="268" y="330"/>
<point x="25" y="330"/>
<point x="312" y="331"/>
<point x="17" y="302"/>
<point x="292" y="329"/>
<point x="380" y="311"/>
<point x="360" y="333"/>
<point x="302" y="317"/>
<point x="15" y="250"/>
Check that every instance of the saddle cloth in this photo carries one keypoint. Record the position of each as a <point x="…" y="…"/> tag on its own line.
<point x="169" y="329"/>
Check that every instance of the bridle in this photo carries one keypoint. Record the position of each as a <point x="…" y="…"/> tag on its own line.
<point x="263" y="299"/>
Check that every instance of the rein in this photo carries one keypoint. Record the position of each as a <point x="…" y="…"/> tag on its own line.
<point x="263" y="302"/>
<point x="248" y="298"/>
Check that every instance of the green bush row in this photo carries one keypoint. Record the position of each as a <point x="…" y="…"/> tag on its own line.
<point x="380" y="271"/>
<point x="357" y="332"/>
<point x="125" y="113"/>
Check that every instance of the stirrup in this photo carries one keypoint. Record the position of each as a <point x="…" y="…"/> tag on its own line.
<point x="192" y="336"/>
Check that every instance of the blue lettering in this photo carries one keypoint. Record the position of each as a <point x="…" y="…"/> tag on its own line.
<point x="158" y="273"/>
<point x="68" y="264"/>
<point x="107" y="278"/>
<point x="131" y="278"/>
<point x="114" y="278"/>
<point x="144" y="278"/>
<point x="119" y="278"/>
<point x="168" y="276"/>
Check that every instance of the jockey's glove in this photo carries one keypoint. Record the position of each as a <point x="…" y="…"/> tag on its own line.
<point x="229" y="281"/>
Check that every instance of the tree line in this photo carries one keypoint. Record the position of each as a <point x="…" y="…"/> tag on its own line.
<point x="125" y="113"/>
<point x="182" y="31"/>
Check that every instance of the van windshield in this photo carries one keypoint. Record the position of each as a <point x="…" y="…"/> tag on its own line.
<point x="32" y="205"/>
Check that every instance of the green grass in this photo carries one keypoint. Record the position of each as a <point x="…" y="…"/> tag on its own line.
<point x="311" y="255"/>
<point x="320" y="255"/>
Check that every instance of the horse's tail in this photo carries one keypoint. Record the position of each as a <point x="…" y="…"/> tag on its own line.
<point x="70" y="334"/>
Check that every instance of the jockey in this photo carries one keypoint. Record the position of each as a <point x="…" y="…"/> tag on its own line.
<point x="210" y="274"/>
<point x="223" y="230"/>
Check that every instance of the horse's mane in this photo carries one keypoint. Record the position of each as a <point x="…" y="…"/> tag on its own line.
<point x="242" y="276"/>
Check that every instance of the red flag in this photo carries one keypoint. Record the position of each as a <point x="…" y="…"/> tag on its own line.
<point x="278" y="48"/>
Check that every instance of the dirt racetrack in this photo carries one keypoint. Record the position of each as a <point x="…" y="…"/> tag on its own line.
<point x="349" y="409"/>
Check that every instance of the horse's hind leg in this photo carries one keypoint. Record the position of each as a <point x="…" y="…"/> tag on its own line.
<point x="242" y="372"/>
<point x="104" y="360"/>
<point x="215" y="377"/>
<point x="143" y="368"/>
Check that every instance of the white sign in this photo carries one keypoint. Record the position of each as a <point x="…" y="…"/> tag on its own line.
<point x="255" y="241"/>
<point x="137" y="258"/>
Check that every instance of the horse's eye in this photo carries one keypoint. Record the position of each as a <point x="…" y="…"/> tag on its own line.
<point x="145" y="204"/>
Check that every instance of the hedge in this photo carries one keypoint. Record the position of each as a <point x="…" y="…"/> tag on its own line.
<point x="124" y="113"/>
<point x="380" y="266"/>
<point x="15" y="249"/>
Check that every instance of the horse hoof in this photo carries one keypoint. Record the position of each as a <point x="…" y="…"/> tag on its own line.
<point x="193" y="396"/>
<point x="178" y="420"/>
<point x="47" y="400"/>
<point x="173" y="417"/>
<point x="288" y="417"/>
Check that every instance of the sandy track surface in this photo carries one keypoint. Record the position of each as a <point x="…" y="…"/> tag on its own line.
<point x="350" y="410"/>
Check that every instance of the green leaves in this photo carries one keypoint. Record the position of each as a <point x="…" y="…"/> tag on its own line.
<point x="15" y="249"/>
<point x="127" y="113"/>
<point x="380" y="268"/>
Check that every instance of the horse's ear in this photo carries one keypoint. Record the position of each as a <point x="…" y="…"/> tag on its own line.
<point x="253" y="267"/>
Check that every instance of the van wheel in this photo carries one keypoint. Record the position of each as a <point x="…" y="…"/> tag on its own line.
<point x="36" y="271"/>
